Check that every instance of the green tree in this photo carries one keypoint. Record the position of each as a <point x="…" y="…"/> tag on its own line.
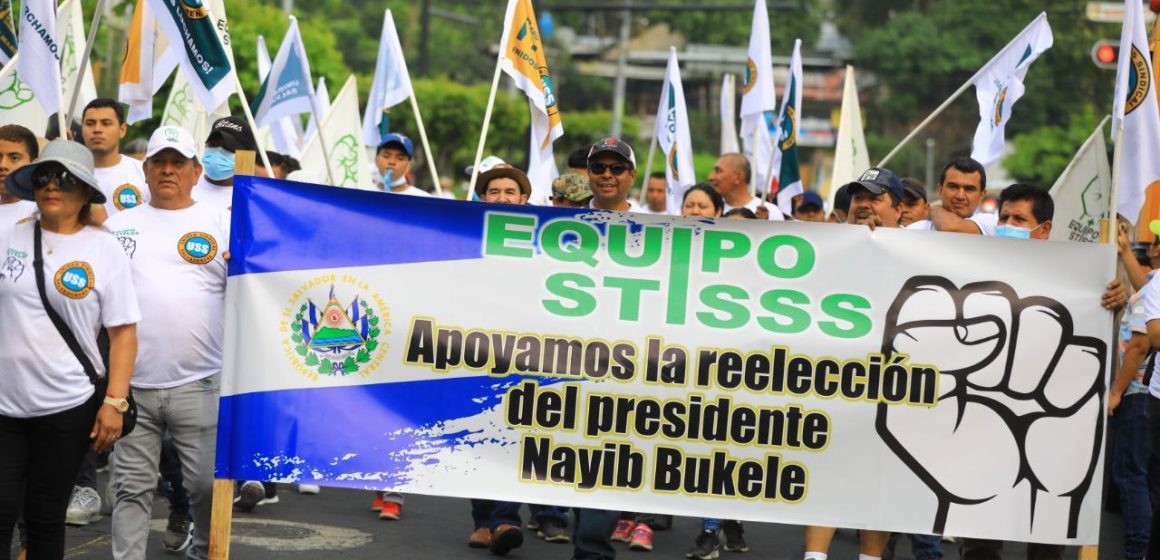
<point x="1041" y="155"/>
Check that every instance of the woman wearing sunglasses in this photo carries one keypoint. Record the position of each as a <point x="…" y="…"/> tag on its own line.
<point x="51" y="408"/>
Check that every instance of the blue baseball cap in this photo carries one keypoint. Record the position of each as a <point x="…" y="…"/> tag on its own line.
<point x="811" y="198"/>
<point x="878" y="180"/>
<point x="403" y="141"/>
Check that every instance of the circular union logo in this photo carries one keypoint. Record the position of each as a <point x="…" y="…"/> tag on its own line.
<point x="336" y="328"/>
<point x="197" y="247"/>
<point x="1139" y="80"/>
<point x="74" y="280"/>
<point x="750" y="77"/>
<point x="789" y="129"/>
<point x="126" y="196"/>
<point x="673" y="162"/>
<point x="999" y="106"/>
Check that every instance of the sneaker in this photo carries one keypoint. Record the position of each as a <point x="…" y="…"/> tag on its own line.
<point x="553" y="531"/>
<point x="735" y="537"/>
<point x="311" y="489"/>
<point x="641" y="538"/>
<point x="178" y="533"/>
<point x="251" y="496"/>
<point x="391" y="511"/>
<point x="533" y="524"/>
<point x="480" y="538"/>
<point x="84" y="507"/>
<point x="623" y="532"/>
<point x="377" y="505"/>
<point x="505" y="538"/>
<point x="706" y="546"/>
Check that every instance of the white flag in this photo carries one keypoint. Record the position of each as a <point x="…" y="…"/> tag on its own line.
<point x="71" y="24"/>
<point x="147" y="65"/>
<point x="1081" y="192"/>
<point x="729" y="115"/>
<point x="286" y="134"/>
<point x="1135" y="116"/>
<point x="182" y="109"/>
<point x="322" y="107"/>
<point x="392" y="83"/>
<point x="38" y="60"/>
<point x="524" y="60"/>
<point x="999" y="84"/>
<point x="342" y="128"/>
<point x="672" y="133"/>
<point x="288" y="88"/>
<point x="850" y="155"/>
<point x="758" y="98"/>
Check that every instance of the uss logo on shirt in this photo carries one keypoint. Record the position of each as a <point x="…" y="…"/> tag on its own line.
<point x="74" y="280"/>
<point x="126" y="196"/>
<point x="197" y="247"/>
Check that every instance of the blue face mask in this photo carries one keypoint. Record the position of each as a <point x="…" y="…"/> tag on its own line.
<point x="388" y="179"/>
<point x="1014" y="232"/>
<point x="218" y="164"/>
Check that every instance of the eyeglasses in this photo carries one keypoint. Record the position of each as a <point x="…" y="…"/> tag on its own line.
<point x="64" y="180"/>
<point x="617" y="169"/>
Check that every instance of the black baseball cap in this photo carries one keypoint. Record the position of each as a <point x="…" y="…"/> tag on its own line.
<point x="233" y="134"/>
<point x="613" y="146"/>
<point x="877" y="180"/>
<point x="913" y="187"/>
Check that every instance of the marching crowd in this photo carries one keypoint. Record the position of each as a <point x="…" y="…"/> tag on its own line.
<point x="113" y="286"/>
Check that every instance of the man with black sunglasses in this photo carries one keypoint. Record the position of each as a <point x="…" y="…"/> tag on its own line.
<point x="611" y="174"/>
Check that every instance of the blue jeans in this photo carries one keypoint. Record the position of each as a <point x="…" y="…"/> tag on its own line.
<point x="492" y="514"/>
<point x="549" y="512"/>
<point x="710" y="524"/>
<point x="590" y="538"/>
<point x="926" y="547"/>
<point x="1131" y="450"/>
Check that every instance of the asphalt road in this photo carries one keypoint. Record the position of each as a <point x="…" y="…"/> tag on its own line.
<point x="339" y="524"/>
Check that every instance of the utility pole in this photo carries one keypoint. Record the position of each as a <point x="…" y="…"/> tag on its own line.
<point x="618" y="91"/>
<point x="288" y="6"/>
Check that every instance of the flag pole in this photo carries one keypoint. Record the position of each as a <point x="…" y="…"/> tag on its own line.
<point x="92" y="38"/>
<point x="11" y="66"/>
<point x="245" y="103"/>
<point x="486" y="122"/>
<point x="1109" y="226"/>
<point x="756" y="138"/>
<point x="426" y="145"/>
<point x="926" y="122"/>
<point x="652" y="148"/>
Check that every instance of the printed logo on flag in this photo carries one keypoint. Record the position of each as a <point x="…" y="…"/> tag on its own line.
<point x="1139" y="80"/>
<point x="335" y="328"/>
<point x="194" y="9"/>
<point x="14" y="93"/>
<point x="126" y="196"/>
<point x="999" y="99"/>
<point x="750" y="76"/>
<point x="789" y="129"/>
<point x="676" y="169"/>
<point x="74" y="280"/>
<point x="344" y="154"/>
<point x="197" y="247"/>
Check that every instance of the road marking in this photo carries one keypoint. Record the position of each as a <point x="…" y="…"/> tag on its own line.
<point x="288" y="536"/>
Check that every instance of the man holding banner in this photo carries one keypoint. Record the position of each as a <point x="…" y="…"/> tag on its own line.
<point x="961" y="187"/>
<point x="611" y="174"/>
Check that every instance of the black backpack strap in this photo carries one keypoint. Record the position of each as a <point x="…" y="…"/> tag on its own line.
<point x="57" y="321"/>
<point x="1151" y="361"/>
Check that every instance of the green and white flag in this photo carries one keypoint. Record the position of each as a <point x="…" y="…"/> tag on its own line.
<point x="205" y="60"/>
<point x="789" y="178"/>
<point x="183" y="110"/>
<point x="38" y="62"/>
<point x="7" y="32"/>
<point x="672" y="133"/>
<point x="850" y="155"/>
<point x="1082" y="192"/>
<point x="71" y="23"/>
<point x="342" y="128"/>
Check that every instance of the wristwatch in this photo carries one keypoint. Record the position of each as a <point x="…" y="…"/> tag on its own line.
<point x="120" y="405"/>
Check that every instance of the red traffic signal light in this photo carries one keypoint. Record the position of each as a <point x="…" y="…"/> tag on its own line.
<point x="1106" y="53"/>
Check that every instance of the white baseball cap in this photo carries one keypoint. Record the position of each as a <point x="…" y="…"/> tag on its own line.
<point x="171" y="138"/>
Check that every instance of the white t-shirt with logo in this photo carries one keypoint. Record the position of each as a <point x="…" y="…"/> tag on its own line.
<point x="985" y="222"/>
<point x="88" y="283"/>
<point x="123" y="184"/>
<point x="12" y="213"/>
<point x="219" y="197"/>
<point x="633" y="206"/>
<point x="180" y="274"/>
<point x="774" y="212"/>
<point x="411" y="190"/>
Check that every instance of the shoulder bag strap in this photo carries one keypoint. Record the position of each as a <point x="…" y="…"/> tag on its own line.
<point x="57" y="321"/>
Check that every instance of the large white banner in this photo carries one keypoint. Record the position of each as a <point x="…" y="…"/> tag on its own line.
<point x="730" y="368"/>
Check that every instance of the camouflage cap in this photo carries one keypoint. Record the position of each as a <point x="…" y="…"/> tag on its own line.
<point x="571" y="186"/>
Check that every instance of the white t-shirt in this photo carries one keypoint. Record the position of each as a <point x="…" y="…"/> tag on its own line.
<point x="88" y="282"/>
<point x="986" y="223"/>
<point x="774" y="212"/>
<point x="180" y="274"/>
<point x="644" y="209"/>
<point x="12" y="213"/>
<point x="411" y="190"/>
<point x="213" y="195"/>
<point x="633" y="206"/>
<point x="1150" y="299"/>
<point x="123" y="185"/>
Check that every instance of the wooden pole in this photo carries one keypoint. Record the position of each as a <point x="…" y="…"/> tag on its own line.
<point x="222" y="512"/>
<point x="426" y="145"/>
<point x="483" y="132"/>
<point x="85" y="66"/>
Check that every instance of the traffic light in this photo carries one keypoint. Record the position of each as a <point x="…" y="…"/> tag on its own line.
<point x="1106" y="53"/>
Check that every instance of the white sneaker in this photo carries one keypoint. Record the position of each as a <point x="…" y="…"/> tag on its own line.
<point x="311" y="489"/>
<point x="84" y="507"/>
